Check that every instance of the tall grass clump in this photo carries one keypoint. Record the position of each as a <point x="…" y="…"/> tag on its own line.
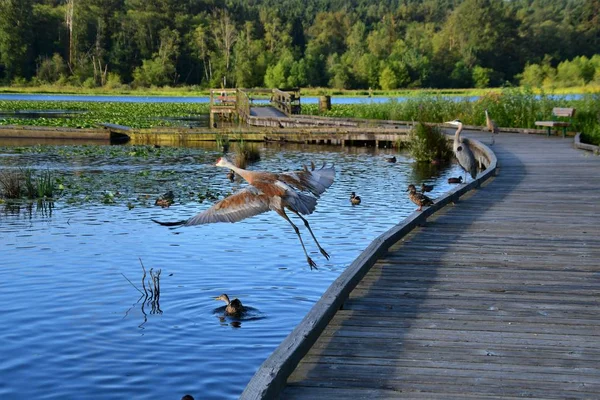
<point x="246" y="154"/>
<point x="39" y="187"/>
<point x="222" y="142"/>
<point x="10" y="182"/>
<point x="428" y="144"/>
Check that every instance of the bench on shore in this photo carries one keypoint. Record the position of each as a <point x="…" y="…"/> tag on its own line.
<point x="561" y="117"/>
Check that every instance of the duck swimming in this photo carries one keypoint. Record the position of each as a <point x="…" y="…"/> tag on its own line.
<point x="418" y="198"/>
<point x="165" y="200"/>
<point x="234" y="307"/>
<point x="231" y="175"/>
<point x="455" y="180"/>
<point x="391" y="159"/>
<point x="426" y="188"/>
<point x="354" y="199"/>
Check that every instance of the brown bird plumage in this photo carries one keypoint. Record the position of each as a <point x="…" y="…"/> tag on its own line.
<point x="296" y="191"/>
<point x="354" y="199"/>
<point x="234" y="307"/>
<point x="455" y="180"/>
<point x="418" y="198"/>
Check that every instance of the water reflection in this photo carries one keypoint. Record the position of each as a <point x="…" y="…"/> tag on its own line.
<point x="30" y="209"/>
<point x="72" y="252"/>
<point x="150" y="296"/>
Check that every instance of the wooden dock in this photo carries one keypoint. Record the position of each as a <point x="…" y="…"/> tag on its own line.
<point x="494" y="297"/>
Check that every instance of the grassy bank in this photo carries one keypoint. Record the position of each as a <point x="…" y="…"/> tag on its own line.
<point x="516" y="108"/>
<point x="186" y="91"/>
<point x="513" y="107"/>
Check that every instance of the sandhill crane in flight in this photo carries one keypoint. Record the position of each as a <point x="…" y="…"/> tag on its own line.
<point x="491" y="125"/>
<point x="462" y="151"/>
<point x="297" y="191"/>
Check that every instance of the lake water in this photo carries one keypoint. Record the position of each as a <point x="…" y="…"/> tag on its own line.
<point x="73" y="326"/>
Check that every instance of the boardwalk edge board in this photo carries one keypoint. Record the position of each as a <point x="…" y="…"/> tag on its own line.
<point x="584" y="146"/>
<point x="271" y="377"/>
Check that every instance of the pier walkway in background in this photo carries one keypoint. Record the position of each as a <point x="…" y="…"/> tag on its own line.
<point x="497" y="296"/>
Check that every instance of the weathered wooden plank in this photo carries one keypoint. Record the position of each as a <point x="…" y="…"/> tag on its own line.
<point x="493" y="296"/>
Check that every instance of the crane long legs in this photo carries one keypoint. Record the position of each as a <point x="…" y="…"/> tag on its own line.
<point x="311" y="263"/>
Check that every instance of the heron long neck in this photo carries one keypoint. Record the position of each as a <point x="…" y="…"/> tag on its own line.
<point x="458" y="131"/>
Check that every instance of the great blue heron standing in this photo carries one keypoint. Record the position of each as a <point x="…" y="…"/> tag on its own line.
<point x="462" y="151"/>
<point x="296" y="191"/>
<point x="491" y="125"/>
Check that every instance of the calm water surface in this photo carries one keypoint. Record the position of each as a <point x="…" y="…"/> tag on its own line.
<point x="74" y="327"/>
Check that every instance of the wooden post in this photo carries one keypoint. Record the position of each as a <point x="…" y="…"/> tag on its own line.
<point x="324" y="103"/>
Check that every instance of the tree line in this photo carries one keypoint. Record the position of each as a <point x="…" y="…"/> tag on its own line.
<point x="342" y="44"/>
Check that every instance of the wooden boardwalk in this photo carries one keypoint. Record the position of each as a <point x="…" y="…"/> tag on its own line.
<point x="496" y="297"/>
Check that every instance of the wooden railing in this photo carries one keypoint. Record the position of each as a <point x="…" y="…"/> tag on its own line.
<point x="243" y="105"/>
<point x="286" y="101"/>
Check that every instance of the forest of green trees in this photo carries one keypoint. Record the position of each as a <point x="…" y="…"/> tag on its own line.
<point x="342" y="44"/>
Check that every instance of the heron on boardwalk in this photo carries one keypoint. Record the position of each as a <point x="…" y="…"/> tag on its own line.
<point x="297" y="191"/>
<point x="418" y="198"/>
<point x="491" y="125"/>
<point x="354" y="199"/>
<point x="234" y="307"/>
<point x="462" y="151"/>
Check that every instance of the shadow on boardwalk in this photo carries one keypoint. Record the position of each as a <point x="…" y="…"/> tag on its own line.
<point x="480" y="302"/>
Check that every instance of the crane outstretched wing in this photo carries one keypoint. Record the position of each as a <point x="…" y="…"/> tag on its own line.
<point x="246" y="203"/>
<point x="314" y="180"/>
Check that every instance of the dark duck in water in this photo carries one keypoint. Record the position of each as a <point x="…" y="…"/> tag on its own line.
<point x="234" y="307"/>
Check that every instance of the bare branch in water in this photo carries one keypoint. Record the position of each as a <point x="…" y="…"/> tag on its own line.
<point x="136" y="288"/>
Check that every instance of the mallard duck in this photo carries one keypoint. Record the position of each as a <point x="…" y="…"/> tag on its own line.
<point x="354" y="199"/>
<point x="426" y="188"/>
<point x="391" y="159"/>
<point x="418" y="198"/>
<point x="165" y="200"/>
<point x="231" y="175"/>
<point x="455" y="180"/>
<point x="234" y="307"/>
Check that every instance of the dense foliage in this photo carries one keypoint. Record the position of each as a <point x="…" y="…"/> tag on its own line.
<point x="356" y="44"/>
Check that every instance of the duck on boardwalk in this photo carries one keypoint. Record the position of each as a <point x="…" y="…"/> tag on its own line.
<point x="426" y="188"/>
<point x="165" y="200"/>
<point x="391" y="159"/>
<point x="234" y="307"/>
<point x="354" y="199"/>
<point x="418" y="198"/>
<point x="455" y="180"/>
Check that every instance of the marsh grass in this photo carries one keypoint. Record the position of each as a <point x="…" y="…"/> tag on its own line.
<point x="509" y="108"/>
<point x="245" y="154"/>
<point x="40" y="187"/>
<point x="10" y="182"/>
<point x="428" y="144"/>
<point x="222" y="141"/>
